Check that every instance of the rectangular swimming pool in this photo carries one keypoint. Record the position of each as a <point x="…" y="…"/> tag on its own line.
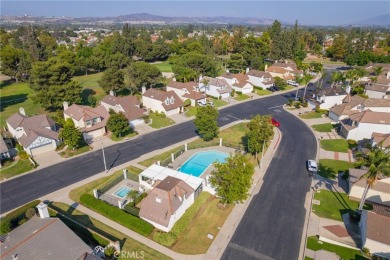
<point x="200" y="161"/>
<point x="122" y="192"/>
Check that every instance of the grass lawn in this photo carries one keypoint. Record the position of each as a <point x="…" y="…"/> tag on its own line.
<point x="158" y="121"/>
<point x="334" y="204"/>
<point x="163" y="66"/>
<point x="14" y="96"/>
<point x="128" y="244"/>
<point x="191" y="111"/>
<point x="70" y="153"/>
<point x="344" y="252"/>
<point x="323" y="127"/>
<point x="288" y="87"/>
<point x="219" y="102"/>
<point x="308" y="258"/>
<point x="338" y="145"/>
<point x="15" y="168"/>
<point x="263" y="92"/>
<point x="90" y="84"/>
<point x="240" y="97"/>
<point x="210" y="217"/>
<point x="310" y="115"/>
<point x="330" y="168"/>
<point x="126" y="135"/>
<point x="158" y="157"/>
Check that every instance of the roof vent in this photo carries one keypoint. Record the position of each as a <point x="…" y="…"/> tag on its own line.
<point x="382" y="122"/>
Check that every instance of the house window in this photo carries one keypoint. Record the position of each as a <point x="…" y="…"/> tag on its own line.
<point x="88" y="123"/>
<point x="172" y="100"/>
<point x="167" y="101"/>
<point x="95" y="120"/>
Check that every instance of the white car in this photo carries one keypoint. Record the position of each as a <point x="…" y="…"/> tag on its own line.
<point x="311" y="166"/>
<point x="292" y="83"/>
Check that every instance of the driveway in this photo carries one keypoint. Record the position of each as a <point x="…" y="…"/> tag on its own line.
<point x="48" y="158"/>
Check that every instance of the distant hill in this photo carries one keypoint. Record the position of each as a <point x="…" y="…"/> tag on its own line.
<point x="381" y="20"/>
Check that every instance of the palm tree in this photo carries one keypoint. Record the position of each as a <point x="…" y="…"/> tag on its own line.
<point x="378" y="70"/>
<point x="336" y="77"/>
<point x="377" y="161"/>
<point x="304" y="80"/>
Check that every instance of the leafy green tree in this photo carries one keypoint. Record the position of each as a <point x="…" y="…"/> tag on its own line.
<point x="14" y="62"/>
<point x="236" y="61"/>
<point x="257" y="63"/>
<point x="143" y="74"/>
<point x="377" y="161"/>
<point x="206" y="122"/>
<point x="71" y="135"/>
<point x="118" y="124"/>
<point x="260" y="131"/>
<point x="338" y="49"/>
<point x="112" y="79"/>
<point x="190" y="65"/>
<point x="281" y="83"/>
<point x="232" y="179"/>
<point x="53" y="97"/>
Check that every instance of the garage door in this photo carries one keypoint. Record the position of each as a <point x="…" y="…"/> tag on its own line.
<point x="42" y="149"/>
<point x="136" y="122"/>
<point x="94" y="134"/>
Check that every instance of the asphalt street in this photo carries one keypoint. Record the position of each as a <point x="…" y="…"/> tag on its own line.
<point x="273" y="224"/>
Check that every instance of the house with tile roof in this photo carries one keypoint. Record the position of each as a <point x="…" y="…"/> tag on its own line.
<point x="215" y="87"/>
<point x="380" y="139"/>
<point x="362" y="125"/>
<point x="37" y="134"/>
<point x="188" y="90"/>
<point x="261" y="79"/>
<point x="285" y="70"/>
<point x="157" y="100"/>
<point x="90" y="120"/>
<point x="325" y="98"/>
<point x="374" y="231"/>
<point x="130" y="106"/>
<point x="239" y="82"/>
<point x="167" y="202"/>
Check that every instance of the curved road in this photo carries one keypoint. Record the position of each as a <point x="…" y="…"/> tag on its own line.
<point x="273" y="224"/>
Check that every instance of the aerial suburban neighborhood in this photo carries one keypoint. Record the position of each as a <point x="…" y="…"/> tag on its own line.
<point x="194" y="137"/>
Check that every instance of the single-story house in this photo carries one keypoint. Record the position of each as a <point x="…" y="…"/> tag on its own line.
<point x="167" y="102"/>
<point x="189" y="90"/>
<point x="361" y="125"/>
<point x="374" y="230"/>
<point x="215" y="87"/>
<point x="380" y="139"/>
<point x="37" y="134"/>
<point x="90" y="120"/>
<point x="239" y="82"/>
<point x="130" y="106"/>
<point x="375" y="90"/>
<point x="326" y="98"/>
<point x="339" y="112"/>
<point x="259" y="78"/>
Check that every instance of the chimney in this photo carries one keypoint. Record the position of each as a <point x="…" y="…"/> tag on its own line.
<point x="246" y="70"/>
<point x="265" y="66"/>
<point x="42" y="209"/>
<point x="174" y="79"/>
<point x="112" y="93"/>
<point x="66" y="105"/>
<point x="348" y="89"/>
<point x="200" y="78"/>
<point x="143" y="89"/>
<point x="21" y="111"/>
<point x="227" y="71"/>
<point x="388" y="75"/>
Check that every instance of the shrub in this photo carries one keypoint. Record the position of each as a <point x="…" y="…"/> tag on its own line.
<point x="23" y="155"/>
<point x="290" y="102"/>
<point x="146" y="119"/>
<point x="165" y="239"/>
<point x="345" y="176"/>
<point x="304" y="104"/>
<point x="129" y="208"/>
<point x="136" y="224"/>
<point x="109" y="252"/>
<point x="366" y="251"/>
<point x="30" y="213"/>
<point x="352" y="142"/>
<point x="233" y="93"/>
<point x="297" y="105"/>
<point x="22" y="221"/>
<point x="15" y="216"/>
<point x="5" y="226"/>
<point x="187" y="102"/>
<point x="140" y="197"/>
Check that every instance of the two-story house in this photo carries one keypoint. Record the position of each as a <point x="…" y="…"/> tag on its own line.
<point x="284" y="70"/>
<point x="325" y="98"/>
<point x="130" y="106"/>
<point x="90" y="120"/>
<point x="239" y="82"/>
<point x="37" y="134"/>
<point x="189" y="90"/>
<point x="259" y="78"/>
<point x="215" y="87"/>
<point x="167" y="102"/>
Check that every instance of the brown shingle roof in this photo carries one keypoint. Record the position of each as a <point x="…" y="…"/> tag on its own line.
<point x="382" y="79"/>
<point x="378" y="227"/>
<point x="164" y="200"/>
<point x="259" y="74"/>
<point x="129" y="104"/>
<point x="371" y="117"/>
<point x="277" y="70"/>
<point x="15" y="120"/>
<point x="163" y="96"/>
<point x="85" y="112"/>
<point x="216" y="82"/>
<point x="194" y="95"/>
<point x="377" y="102"/>
<point x="356" y="174"/>
<point x="179" y="85"/>
<point x="383" y="139"/>
<point x="377" y="87"/>
<point x="3" y="146"/>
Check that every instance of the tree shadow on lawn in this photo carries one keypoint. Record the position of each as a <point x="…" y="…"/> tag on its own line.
<point x="85" y="94"/>
<point x="326" y="172"/>
<point x="7" y="82"/>
<point x="12" y="100"/>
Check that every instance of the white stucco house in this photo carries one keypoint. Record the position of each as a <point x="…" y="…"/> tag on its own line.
<point x="326" y="98"/>
<point x="37" y="134"/>
<point x="261" y="79"/>
<point x="285" y="70"/>
<point x="167" y="102"/>
<point x="189" y="90"/>
<point x="130" y="106"/>
<point x="374" y="230"/>
<point x="361" y="125"/>
<point x="239" y="82"/>
<point x="90" y="120"/>
<point x="374" y="90"/>
<point x="217" y="88"/>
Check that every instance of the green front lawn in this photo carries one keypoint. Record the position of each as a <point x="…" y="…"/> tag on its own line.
<point x="69" y="152"/>
<point x="163" y="66"/>
<point x="158" y="157"/>
<point x="310" y="115"/>
<point x="159" y="121"/>
<point x="263" y="92"/>
<point x="334" y="204"/>
<point x="329" y="168"/>
<point x="343" y="252"/>
<point x="127" y="135"/>
<point x="336" y="145"/>
<point x="219" y="102"/>
<point x="323" y="127"/>
<point x="128" y="244"/>
<point x="15" y="168"/>
<point x="240" y="97"/>
<point x="191" y="111"/>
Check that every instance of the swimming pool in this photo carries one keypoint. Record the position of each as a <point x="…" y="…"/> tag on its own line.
<point x="200" y="161"/>
<point x="122" y="192"/>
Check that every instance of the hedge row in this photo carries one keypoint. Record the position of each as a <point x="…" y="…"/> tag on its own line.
<point x="136" y="224"/>
<point x="12" y="219"/>
<point x="168" y="239"/>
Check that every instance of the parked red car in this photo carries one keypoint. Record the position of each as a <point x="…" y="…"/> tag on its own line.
<point x="275" y="123"/>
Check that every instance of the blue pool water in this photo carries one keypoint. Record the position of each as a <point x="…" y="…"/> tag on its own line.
<point x="122" y="192"/>
<point x="199" y="162"/>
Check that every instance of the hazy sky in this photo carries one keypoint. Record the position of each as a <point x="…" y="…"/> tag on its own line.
<point x="307" y="12"/>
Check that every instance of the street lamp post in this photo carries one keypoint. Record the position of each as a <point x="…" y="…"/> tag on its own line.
<point x="104" y="158"/>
